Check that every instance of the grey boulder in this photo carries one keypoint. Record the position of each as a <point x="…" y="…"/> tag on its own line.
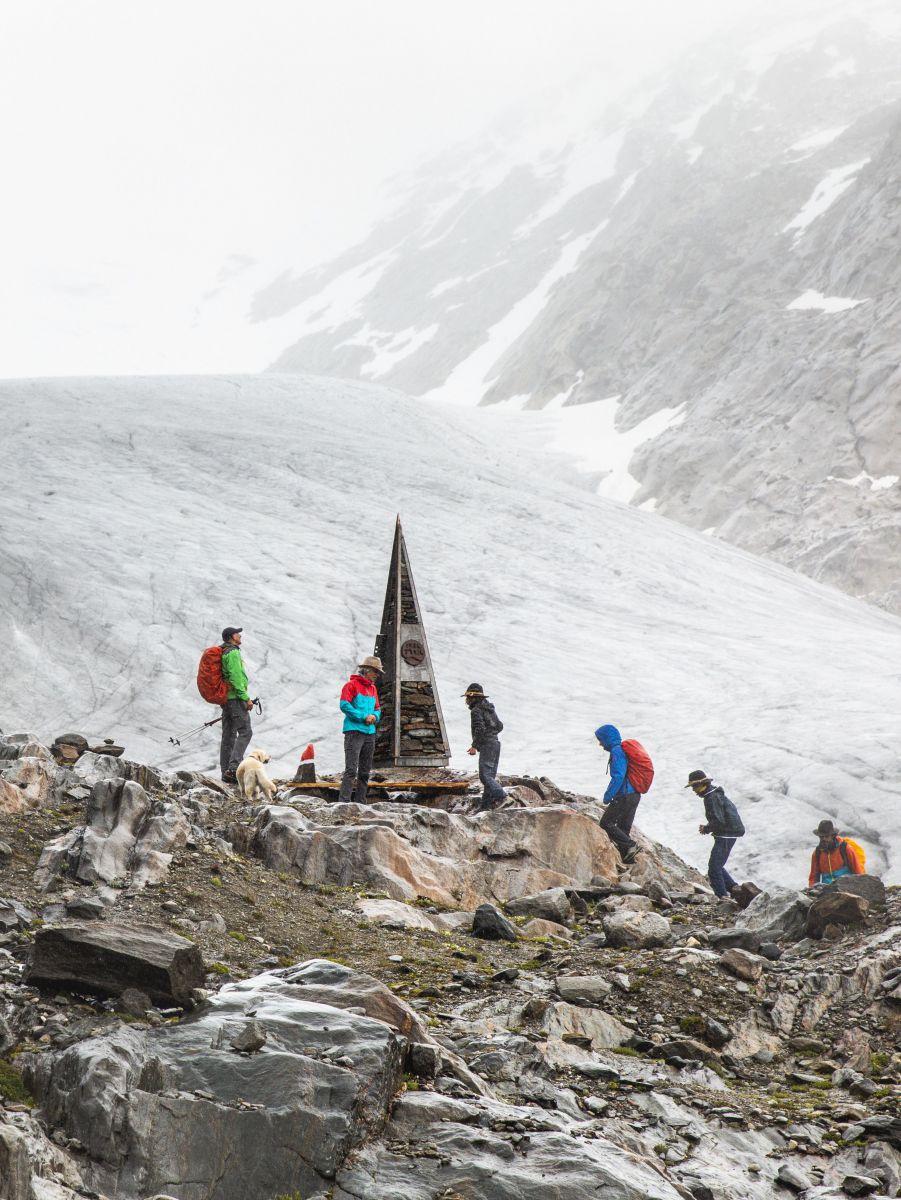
<point x="777" y="915"/>
<point x="176" y="1103"/>
<point x="639" y="930"/>
<point x="583" y="989"/>
<point x="550" y="905"/>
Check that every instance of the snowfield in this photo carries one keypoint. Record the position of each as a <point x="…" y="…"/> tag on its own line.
<point x="139" y="516"/>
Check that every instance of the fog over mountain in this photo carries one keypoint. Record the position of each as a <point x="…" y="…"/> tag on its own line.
<point x="718" y="252"/>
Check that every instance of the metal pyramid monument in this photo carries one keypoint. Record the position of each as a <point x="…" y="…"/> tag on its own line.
<point x="411" y="732"/>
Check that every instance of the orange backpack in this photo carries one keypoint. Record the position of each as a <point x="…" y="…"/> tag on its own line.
<point x="210" y="683"/>
<point x="640" y="770"/>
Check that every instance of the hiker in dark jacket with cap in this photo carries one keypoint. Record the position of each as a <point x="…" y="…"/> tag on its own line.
<point x="724" y="823"/>
<point x="486" y="725"/>
<point x="236" y="727"/>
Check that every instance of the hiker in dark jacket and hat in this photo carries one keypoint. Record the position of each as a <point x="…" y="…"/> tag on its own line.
<point x="486" y="725"/>
<point x="724" y="823"/>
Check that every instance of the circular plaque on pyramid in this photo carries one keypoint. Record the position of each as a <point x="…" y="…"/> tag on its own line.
<point x="413" y="652"/>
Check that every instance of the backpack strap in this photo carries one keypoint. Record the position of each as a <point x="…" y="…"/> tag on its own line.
<point x="843" y="846"/>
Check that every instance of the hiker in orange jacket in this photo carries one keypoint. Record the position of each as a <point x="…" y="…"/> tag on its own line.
<point x="833" y="857"/>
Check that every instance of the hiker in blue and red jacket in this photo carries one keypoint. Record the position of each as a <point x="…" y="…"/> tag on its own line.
<point x="621" y="796"/>
<point x="362" y="713"/>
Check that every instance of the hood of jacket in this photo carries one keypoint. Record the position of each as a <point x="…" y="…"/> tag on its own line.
<point x="363" y="683"/>
<point x="608" y="736"/>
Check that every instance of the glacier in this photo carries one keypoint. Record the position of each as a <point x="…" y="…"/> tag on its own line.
<point x="141" y="515"/>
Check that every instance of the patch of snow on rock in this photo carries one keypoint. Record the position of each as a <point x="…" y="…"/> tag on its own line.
<point x="876" y="483"/>
<point x="815" y="140"/>
<point x="824" y="196"/>
<point x="468" y="382"/>
<point x="828" y="304"/>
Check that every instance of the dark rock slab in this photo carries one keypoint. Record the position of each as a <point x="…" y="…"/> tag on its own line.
<point x="731" y="939"/>
<point x="886" y="1128"/>
<point x="835" y="908"/>
<point x="105" y="959"/>
<point x="745" y="893"/>
<point x="716" y="1033"/>
<point x="870" y="887"/>
<point x="492" y="925"/>
<point x="686" y="1049"/>
<point x="13" y="915"/>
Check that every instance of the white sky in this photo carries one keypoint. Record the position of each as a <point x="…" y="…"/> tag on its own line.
<point x="145" y="143"/>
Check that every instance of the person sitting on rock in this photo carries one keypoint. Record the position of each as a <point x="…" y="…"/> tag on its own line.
<point x="724" y="823"/>
<point x="833" y="857"/>
<point x="486" y="725"/>
<point x="362" y="712"/>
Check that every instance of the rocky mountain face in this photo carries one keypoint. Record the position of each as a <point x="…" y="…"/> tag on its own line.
<point x="205" y="1000"/>
<point x="720" y="250"/>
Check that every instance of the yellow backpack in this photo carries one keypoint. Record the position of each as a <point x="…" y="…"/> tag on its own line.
<point x="856" y="846"/>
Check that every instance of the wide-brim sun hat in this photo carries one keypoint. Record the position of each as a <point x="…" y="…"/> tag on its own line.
<point x="825" y="829"/>
<point x="696" y="777"/>
<point x="373" y="663"/>
<point x="474" y="689"/>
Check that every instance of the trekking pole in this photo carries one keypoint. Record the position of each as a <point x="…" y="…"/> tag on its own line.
<point x="177" y="741"/>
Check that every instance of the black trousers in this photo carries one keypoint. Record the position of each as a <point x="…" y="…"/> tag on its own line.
<point x="617" y="820"/>
<point x="358" y="751"/>
<point x="236" y="734"/>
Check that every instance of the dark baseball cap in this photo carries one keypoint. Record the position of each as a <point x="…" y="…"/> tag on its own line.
<point x="229" y="630"/>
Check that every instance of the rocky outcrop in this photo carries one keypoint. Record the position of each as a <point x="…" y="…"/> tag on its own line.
<point x="455" y="860"/>
<point x="128" y="838"/>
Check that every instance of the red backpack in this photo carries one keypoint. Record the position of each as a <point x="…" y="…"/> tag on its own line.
<point x="640" y="771"/>
<point x="210" y="683"/>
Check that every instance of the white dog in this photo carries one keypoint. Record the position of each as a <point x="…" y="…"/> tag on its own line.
<point x="253" y="782"/>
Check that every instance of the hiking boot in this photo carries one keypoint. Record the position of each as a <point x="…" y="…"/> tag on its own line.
<point x="631" y="854"/>
<point x="229" y="777"/>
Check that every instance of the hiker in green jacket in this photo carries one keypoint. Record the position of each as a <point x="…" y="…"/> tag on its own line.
<point x="236" y="727"/>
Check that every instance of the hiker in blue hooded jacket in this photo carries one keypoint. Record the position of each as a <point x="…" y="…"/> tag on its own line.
<point x="620" y="797"/>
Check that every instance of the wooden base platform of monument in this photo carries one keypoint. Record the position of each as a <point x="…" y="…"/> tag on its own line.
<point x="425" y="789"/>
